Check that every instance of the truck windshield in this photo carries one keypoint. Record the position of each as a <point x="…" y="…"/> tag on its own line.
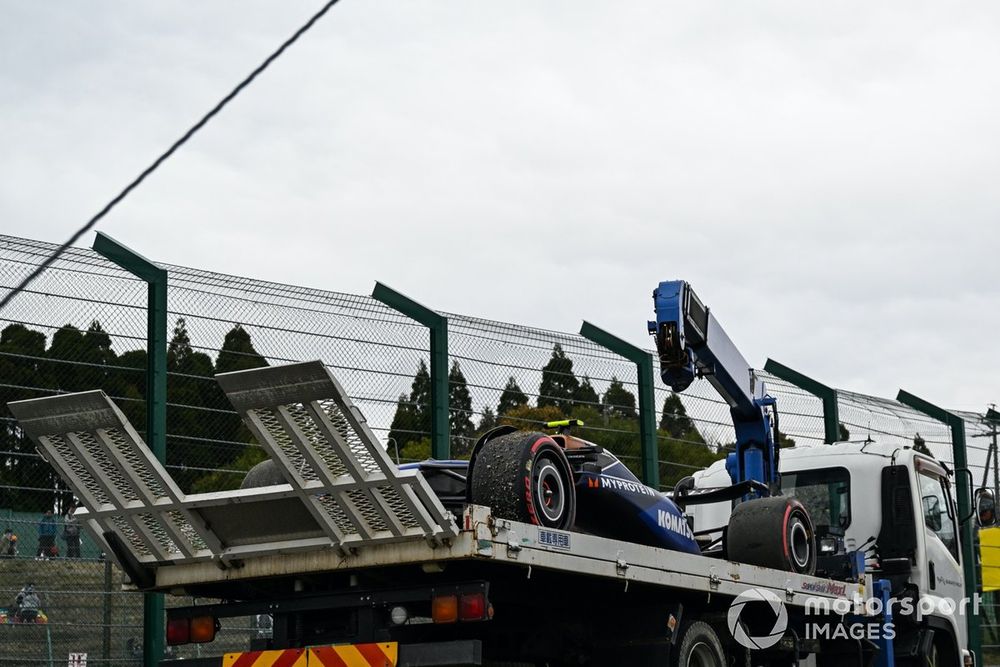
<point x="825" y="492"/>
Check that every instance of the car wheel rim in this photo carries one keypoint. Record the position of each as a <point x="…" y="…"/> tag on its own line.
<point x="798" y="541"/>
<point x="702" y="655"/>
<point x="550" y="492"/>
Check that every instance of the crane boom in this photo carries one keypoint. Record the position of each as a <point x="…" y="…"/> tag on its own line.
<point x="691" y="343"/>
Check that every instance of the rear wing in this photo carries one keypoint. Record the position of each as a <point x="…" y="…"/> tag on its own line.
<point x="342" y="491"/>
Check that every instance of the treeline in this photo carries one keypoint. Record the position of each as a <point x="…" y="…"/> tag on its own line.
<point x="206" y="438"/>
<point x="204" y="434"/>
<point x="610" y="420"/>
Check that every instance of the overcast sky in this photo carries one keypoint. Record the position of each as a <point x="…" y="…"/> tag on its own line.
<point x="825" y="174"/>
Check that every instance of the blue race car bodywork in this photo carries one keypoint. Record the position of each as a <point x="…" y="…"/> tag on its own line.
<point x="614" y="503"/>
<point x="610" y="499"/>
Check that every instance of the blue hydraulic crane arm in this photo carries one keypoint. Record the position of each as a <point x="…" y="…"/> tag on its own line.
<point x="691" y="343"/>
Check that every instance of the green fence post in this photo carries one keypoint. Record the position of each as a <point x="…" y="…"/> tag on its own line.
<point x="831" y="409"/>
<point x="106" y="630"/>
<point x="438" y="325"/>
<point x="957" y="426"/>
<point x="156" y="402"/>
<point x="647" y="398"/>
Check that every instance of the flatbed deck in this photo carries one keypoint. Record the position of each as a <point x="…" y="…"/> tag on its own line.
<point x="526" y="546"/>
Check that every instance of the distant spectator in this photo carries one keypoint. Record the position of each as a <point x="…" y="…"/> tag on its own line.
<point x="8" y="544"/>
<point x="27" y="604"/>
<point x="46" y="536"/>
<point x="71" y="533"/>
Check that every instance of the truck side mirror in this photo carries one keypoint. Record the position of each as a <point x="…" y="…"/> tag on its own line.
<point x="986" y="508"/>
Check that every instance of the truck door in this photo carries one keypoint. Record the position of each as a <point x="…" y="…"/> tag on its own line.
<point x="943" y="567"/>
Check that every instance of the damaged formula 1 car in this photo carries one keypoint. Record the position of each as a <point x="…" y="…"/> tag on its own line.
<point x="563" y="482"/>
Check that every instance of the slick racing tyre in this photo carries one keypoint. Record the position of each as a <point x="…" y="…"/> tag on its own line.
<point x="264" y="473"/>
<point x="524" y="476"/>
<point x="772" y="532"/>
<point x="698" y="646"/>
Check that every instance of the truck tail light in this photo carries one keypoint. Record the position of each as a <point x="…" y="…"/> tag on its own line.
<point x="203" y="629"/>
<point x="472" y="607"/>
<point x="444" y="608"/>
<point x="197" y="630"/>
<point x="178" y="631"/>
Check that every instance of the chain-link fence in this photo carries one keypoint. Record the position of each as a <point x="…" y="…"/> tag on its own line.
<point x="82" y="325"/>
<point x="223" y="323"/>
<point x="527" y="377"/>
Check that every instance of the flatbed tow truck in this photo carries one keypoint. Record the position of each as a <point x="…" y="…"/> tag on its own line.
<point x="359" y="562"/>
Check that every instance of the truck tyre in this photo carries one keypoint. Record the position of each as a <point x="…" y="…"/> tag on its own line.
<point x="524" y="476"/>
<point x="698" y="646"/>
<point x="772" y="532"/>
<point x="264" y="473"/>
<point x="942" y="651"/>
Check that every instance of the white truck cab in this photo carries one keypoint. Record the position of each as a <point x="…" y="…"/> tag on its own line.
<point x="896" y="506"/>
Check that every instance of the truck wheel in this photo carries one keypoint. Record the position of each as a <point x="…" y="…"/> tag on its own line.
<point x="264" y="473"/>
<point x="934" y="658"/>
<point x="772" y="532"/>
<point x="942" y="651"/>
<point x="524" y="476"/>
<point x="698" y="646"/>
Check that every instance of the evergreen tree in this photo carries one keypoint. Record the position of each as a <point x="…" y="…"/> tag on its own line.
<point x="585" y="394"/>
<point x="619" y="401"/>
<point x="135" y="359"/>
<point x="511" y="397"/>
<point x="674" y="418"/>
<point x="238" y="353"/>
<point x="182" y="358"/>
<point x="420" y="398"/>
<point x="459" y="411"/>
<point x="22" y="368"/>
<point x="196" y="432"/>
<point x="487" y="421"/>
<point x="131" y="377"/>
<point x="179" y="350"/>
<point x="412" y="420"/>
<point x="401" y="430"/>
<point x="215" y="437"/>
<point x="97" y="345"/>
<point x="66" y="349"/>
<point x="559" y="384"/>
<point x="98" y="356"/>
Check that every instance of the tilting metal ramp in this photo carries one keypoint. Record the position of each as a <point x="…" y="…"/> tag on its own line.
<point x="342" y="490"/>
